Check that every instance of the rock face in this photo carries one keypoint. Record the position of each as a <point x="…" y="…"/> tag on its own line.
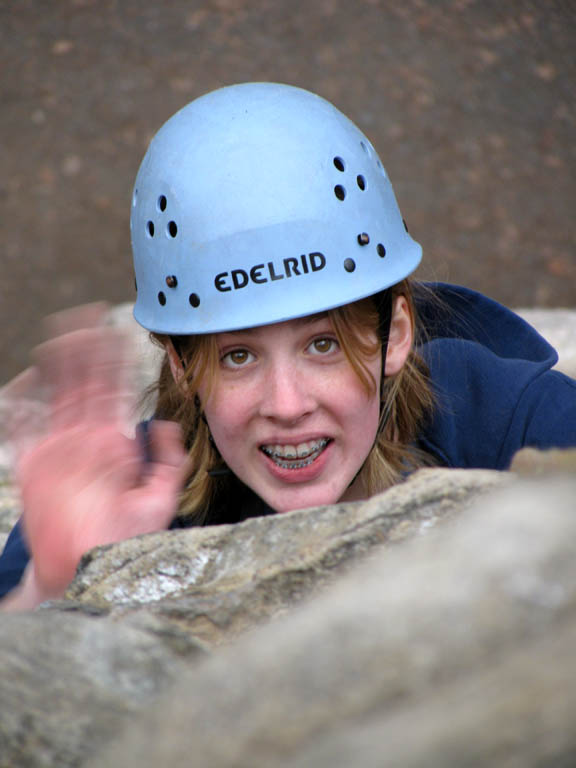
<point x="558" y="326"/>
<point x="454" y="649"/>
<point x="9" y="506"/>
<point x="69" y="683"/>
<point x="219" y="581"/>
<point x="450" y="644"/>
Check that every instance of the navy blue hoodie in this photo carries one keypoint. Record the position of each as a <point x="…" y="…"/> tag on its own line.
<point x="495" y="393"/>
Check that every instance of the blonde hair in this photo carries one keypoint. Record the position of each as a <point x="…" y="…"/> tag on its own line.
<point x="406" y="398"/>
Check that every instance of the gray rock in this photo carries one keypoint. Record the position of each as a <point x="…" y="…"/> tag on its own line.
<point x="517" y="710"/>
<point x="531" y="462"/>
<point x="163" y="591"/>
<point x="68" y="683"/>
<point x="220" y="581"/>
<point x="558" y="326"/>
<point x="478" y="617"/>
<point x="9" y="509"/>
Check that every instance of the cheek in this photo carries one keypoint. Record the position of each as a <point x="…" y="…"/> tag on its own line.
<point x="358" y="408"/>
<point x="227" y="412"/>
<point x="366" y="422"/>
<point x="365" y="411"/>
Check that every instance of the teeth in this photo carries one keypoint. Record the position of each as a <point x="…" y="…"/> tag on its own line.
<point x="300" y="451"/>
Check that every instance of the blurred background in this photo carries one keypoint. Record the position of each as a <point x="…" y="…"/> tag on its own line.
<point x="470" y="104"/>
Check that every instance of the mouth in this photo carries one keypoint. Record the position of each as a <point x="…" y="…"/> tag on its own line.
<point x="298" y="456"/>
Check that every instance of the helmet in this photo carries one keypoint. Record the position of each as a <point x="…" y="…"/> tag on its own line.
<point x="259" y="203"/>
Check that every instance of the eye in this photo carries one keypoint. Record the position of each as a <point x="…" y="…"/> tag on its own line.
<point x="323" y="345"/>
<point x="237" y="358"/>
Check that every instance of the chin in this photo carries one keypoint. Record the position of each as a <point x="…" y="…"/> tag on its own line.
<point x="281" y="502"/>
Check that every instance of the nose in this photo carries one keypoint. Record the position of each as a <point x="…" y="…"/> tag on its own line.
<point x="287" y="395"/>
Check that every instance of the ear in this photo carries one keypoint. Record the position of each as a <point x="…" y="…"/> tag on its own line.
<point x="400" y="338"/>
<point x="176" y="366"/>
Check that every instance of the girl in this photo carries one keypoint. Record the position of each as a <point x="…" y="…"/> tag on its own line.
<point x="302" y="367"/>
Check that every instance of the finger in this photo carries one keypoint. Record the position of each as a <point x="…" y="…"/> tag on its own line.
<point x="108" y="377"/>
<point x="69" y="320"/>
<point x="166" y="443"/>
<point x="87" y="373"/>
<point x="66" y="355"/>
<point x="170" y="464"/>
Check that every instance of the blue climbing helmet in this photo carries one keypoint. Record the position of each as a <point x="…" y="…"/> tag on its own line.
<point x="259" y="203"/>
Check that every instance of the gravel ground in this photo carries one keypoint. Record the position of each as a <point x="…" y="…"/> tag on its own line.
<point x="469" y="102"/>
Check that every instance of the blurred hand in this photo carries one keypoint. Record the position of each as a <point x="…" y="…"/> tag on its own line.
<point x="83" y="481"/>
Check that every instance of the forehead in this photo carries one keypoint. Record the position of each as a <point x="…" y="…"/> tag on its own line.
<point x="278" y="328"/>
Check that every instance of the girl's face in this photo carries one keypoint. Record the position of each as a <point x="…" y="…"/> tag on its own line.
<point x="288" y="414"/>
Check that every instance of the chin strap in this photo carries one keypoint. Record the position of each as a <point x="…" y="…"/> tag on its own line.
<point x="177" y="348"/>
<point x="384" y="307"/>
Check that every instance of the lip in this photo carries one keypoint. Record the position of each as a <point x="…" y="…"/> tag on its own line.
<point x="294" y="439"/>
<point x="302" y="475"/>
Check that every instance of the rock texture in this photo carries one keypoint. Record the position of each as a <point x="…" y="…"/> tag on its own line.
<point x="219" y="581"/>
<point x="558" y="326"/>
<point x="454" y="649"/>
<point x="69" y="683"/>
<point x="449" y="645"/>
<point x="9" y="505"/>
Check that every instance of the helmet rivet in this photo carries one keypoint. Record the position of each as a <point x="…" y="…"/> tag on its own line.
<point x="381" y="250"/>
<point x="171" y="281"/>
<point x="349" y="265"/>
<point x="364" y="238"/>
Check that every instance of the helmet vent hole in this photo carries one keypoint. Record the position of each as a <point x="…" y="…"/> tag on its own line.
<point x="339" y="191"/>
<point x="162" y="298"/>
<point x="172" y="229"/>
<point x="381" y="250"/>
<point x="194" y="300"/>
<point x="134" y="198"/>
<point x="150" y="228"/>
<point x="339" y="164"/>
<point x="162" y="203"/>
<point x="405" y="225"/>
<point x="365" y="148"/>
<point x="349" y="265"/>
<point x="361" y="181"/>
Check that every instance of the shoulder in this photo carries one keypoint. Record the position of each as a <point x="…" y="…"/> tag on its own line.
<point x="494" y="387"/>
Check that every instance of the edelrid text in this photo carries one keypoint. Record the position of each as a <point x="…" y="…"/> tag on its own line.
<point x="293" y="266"/>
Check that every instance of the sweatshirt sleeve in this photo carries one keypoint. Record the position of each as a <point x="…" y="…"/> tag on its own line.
<point x="13" y="560"/>
<point x="545" y="416"/>
<point x="489" y="407"/>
